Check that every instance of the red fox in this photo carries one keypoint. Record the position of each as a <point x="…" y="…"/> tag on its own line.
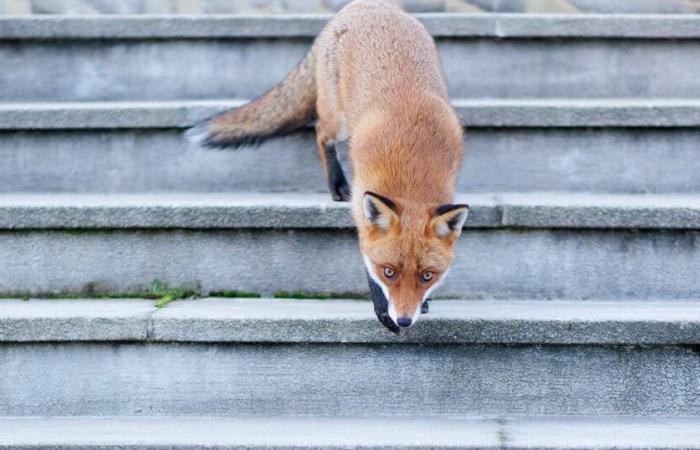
<point x="374" y="76"/>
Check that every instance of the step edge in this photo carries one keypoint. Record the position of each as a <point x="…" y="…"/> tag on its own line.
<point x="476" y="113"/>
<point x="316" y="211"/>
<point x="464" y="25"/>
<point x="455" y="432"/>
<point x="225" y="320"/>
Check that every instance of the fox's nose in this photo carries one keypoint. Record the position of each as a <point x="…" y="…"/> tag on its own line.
<point x="404" y="322"/>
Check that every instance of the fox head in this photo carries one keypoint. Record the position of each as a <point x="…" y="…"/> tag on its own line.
<point x="407" y="250"/>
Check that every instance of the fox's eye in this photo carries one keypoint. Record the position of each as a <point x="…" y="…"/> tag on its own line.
<point x="427" y="276"/>
<point x="389" y="272"/>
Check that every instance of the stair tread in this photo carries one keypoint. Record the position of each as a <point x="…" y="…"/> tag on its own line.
<point x="650" y="321"/>
<point x="379" y="432"/>
<point x="479" y="112"/>
<point x="317" y="210"/>
<point x="500" y="26"/>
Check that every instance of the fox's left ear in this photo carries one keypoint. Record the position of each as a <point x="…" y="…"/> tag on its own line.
<point x="379" y="211"/>
<point x="449" y="220"/>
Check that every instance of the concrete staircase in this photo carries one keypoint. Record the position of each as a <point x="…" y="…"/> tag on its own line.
<point x="571" y="317"/>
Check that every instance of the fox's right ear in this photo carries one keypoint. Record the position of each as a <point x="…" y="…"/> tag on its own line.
<point x="379" y="211"/>
<point x="449" y="220"/>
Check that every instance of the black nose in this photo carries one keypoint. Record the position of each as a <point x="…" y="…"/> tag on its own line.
<point x="404" y="322"/>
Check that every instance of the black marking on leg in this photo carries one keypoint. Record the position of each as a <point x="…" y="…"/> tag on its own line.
<point x="425" y="307"/>
<point x="381" y="306"/>
<point x="337" y="183"/>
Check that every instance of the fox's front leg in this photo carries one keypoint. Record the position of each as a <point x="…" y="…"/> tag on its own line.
<point x="425" y="307"/>
<point x="337" y="183"/>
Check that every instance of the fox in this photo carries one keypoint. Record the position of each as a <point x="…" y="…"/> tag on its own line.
<point x="373" y="77"/>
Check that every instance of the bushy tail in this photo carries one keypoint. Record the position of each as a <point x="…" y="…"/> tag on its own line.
<point x="287" y="106"/>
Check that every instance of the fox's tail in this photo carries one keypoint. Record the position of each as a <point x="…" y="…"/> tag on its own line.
<point x="287" y="106"/>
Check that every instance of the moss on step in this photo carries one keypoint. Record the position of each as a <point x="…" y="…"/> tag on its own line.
<point x="157" y="290"/>
<point x="235" y="294"/>
<point x="298" y="295"/>
<point x="164" y="294"/>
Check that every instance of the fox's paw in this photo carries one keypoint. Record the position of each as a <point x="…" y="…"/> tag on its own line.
<point x="388" y="323"/>
<point x="425" y="307"/>
<point x="341" y="192"/>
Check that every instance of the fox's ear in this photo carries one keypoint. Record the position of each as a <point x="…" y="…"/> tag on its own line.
<point x="449" y="220"/>
<point x="379" y="210"/>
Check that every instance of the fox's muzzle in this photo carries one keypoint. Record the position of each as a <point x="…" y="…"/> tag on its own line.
<point x="381" y="306"/>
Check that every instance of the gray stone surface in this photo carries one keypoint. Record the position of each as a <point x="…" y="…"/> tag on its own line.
<point x="74" y="320"/>
<point x="315" y="432"/>
<point x="273" y="7"/>
<point x="565" y="113"/>
<point x="633" y="356"/>
<point x="108" y="115"/>
<point x="250" y="433"/>
<point x="107" y="379"/>
<point x="450" y="321"/>
<point x="481" y="113"/>
<point x="159" y="27"/>
<point x="217" y="67"/>
<point x="317" y="211"/>
<point x="347" y="321"/>
<point x="490" y="263"/>
<point x="440" y="25"/>
<point x="603" y="432"/>
<point x="174" y="210"/>
<point x="631" y="160"/>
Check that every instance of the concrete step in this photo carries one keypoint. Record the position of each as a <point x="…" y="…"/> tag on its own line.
<point x="146" y="57"/>
<point x="610" y="145"/>
<point x="378" y="432"/>
<point x="574" y="246"/>
<point x="523" y="322"/>
<point x="473" y="113"/>
<point x="258" y="357"/>
<point x="253" y="7"/>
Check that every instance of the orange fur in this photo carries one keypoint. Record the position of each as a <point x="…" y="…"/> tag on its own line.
<point x="374" y="74"/>
<point x="379" y="71"/>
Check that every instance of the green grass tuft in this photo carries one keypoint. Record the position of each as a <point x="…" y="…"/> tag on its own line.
<point x="319" y="296"/>
<point x="164" y="294"/>
<point x="235" y="294"/>
<point x="301" y="295"/>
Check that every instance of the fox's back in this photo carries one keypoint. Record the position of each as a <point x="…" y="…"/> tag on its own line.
<point x="372" y="52"/>
<point x="374" y="76"/>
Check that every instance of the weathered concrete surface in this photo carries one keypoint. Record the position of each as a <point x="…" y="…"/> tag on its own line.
<point x="251" y="433"/>
<point x="109" y="115"/>
<point x="564" y="113"/>
<point x="500" y="26"/>
<point x="347" y="380"/>
<point x="317" y="211"/>
<point x="330" y="321"/>
<point x="608" y="160"/>
<point x="603" y="432"/>
<point x="211" y="67"/>
<point x="500" y="263"/>
<point x="450" y="321"/>
<point x="484" y="113"/>
<point x="317" y="432"/>
<point x="75" y="320"/>
<point x="274" y="7"/>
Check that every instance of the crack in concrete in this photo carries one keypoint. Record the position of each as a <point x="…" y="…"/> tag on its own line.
<point x="502" y="433"/>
